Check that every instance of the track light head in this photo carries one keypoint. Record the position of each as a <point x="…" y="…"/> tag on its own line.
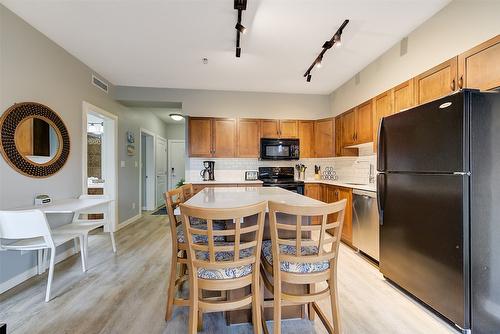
<point x="308" y="78"/>
<point x="318" y="62"/>
<point x="337" y="40"/>
<point x="240" y="4"/>
<point x="240" y="27"/>
<point x="238" y="52"/>
<point x="327" y="45"/>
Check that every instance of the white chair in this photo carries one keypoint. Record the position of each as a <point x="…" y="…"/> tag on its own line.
<point x="28" y="231"/>
<point x="85" y="226"/>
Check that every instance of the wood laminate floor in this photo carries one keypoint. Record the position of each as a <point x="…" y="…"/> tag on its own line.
<point x="125" y="293"/>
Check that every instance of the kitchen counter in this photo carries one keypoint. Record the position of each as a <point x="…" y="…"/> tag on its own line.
<point x="224" y="182"/>
<point x="367" y="187"/>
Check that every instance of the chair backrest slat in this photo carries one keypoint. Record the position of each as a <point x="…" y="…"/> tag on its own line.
<point x="298" y="237"/>
<point x="252" y="215"/>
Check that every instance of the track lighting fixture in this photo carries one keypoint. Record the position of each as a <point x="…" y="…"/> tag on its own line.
<point x="240" y="6"/>
<point x="318" y="62"/>
<point x="334" y="41"/>
<point x="241" y="28"/>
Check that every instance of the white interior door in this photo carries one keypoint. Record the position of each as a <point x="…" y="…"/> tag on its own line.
<point x="148" y="172"/>
<point x="161" y="170"/>
<point x="176" y="168"/>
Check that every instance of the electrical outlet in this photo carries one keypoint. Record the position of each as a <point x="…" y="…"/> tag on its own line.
<point x="136" y="164"/>
<point x="133" y="206"/>
<point x="122" y="164"/>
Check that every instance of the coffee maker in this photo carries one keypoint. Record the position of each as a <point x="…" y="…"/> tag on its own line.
<point x="207" y="174"/>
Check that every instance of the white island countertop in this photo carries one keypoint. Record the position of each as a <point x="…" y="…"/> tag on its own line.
<point x="227" y="197"/>
<point x="227" y="181"/>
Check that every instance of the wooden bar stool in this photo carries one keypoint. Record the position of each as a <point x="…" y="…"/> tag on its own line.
<point x="303" y="261"/>
<point x="224" y="266"/>
<point x="178" y="265"/>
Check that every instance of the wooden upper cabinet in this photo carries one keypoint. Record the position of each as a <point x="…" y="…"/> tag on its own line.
<point x="273" y="128"/>
<point x="480" y="66"/>
<point x="270" y="128"/>
<point x="436" y="82"/>
<point x="224" y="138"/>
<point x="364" y="123"/>
<point x="348" y="121"/>
<point x="403" y="96"/>
<point x="248" y="138"/>
<point x="382" y="107"/>
<point x="324" y="138"/>
<point x="200" y="137"/>
<point x="339" y="146"/>
<point x="289" y="129"/>
<point x="306" y="138"/>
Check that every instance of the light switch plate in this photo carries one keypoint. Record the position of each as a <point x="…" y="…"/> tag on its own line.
<point x="122" y="164"/>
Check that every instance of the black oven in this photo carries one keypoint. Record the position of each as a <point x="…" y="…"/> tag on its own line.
<point x="282" y="177"/>
<point x="297" y="187"/>
<point x="279" y="149"/>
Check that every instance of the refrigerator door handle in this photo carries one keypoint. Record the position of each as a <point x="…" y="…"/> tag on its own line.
<point x="380" y="147"/>
<point x="381" y="196"/>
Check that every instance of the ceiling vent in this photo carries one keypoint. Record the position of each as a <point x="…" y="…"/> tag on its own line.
<point x="403" y="48"/>
<point x="99" y="84"/>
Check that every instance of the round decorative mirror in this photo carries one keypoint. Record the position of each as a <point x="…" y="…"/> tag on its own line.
<point x="34" y="139"/>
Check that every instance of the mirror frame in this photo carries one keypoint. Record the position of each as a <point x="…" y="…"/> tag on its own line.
<point x="9" y="122"/>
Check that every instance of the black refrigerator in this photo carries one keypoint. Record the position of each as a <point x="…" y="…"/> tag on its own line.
<point x="439" y="206"/>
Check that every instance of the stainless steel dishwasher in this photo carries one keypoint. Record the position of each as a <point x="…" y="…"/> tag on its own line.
<point x="365" y="222"/>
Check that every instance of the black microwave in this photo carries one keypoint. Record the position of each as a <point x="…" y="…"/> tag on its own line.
<point x="279" y="149"/>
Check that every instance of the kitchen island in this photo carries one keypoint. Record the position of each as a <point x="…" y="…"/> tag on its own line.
<point x="223" y="198"/>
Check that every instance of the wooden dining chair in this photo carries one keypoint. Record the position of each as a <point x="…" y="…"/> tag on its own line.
<point x="188" y="191"/>
<point x="178" y="265"/>
<point x="305" y="261"/>
<point x="224" y="266"/>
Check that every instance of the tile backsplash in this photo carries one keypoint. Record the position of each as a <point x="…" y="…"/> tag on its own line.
<point x="348" y="169"/>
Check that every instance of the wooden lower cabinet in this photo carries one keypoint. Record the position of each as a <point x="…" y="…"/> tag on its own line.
<point x="329" y="194"/>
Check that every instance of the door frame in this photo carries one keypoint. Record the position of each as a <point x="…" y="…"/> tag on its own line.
<point x="169" y="150"/>
<point x="153" y="135"/>
<point x="111" y="164"/>
<point x="158" y="137"/>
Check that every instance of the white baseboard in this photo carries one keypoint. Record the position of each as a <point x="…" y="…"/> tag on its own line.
<point x="18" y="279"/>
<point x="128" y="221"/>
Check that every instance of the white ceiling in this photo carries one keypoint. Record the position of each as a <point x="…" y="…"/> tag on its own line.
<point x="161" y="113"/>
<point x="161" y="43"/>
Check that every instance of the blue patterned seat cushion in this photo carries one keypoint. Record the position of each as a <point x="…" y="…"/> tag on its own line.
<point x="226" y="273"/>
<point x="198" y="238"/>
<point x="294" y="267"/>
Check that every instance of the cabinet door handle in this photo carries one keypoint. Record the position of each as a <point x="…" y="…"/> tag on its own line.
<point x="461" y="82"/>
<point x="452" y="85"/>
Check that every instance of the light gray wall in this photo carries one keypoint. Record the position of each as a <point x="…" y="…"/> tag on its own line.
<point x="176" y="131"/>
<point x="233" y="104"/>
<point x="458" y="27"/>
<point x="33" y="68"/>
